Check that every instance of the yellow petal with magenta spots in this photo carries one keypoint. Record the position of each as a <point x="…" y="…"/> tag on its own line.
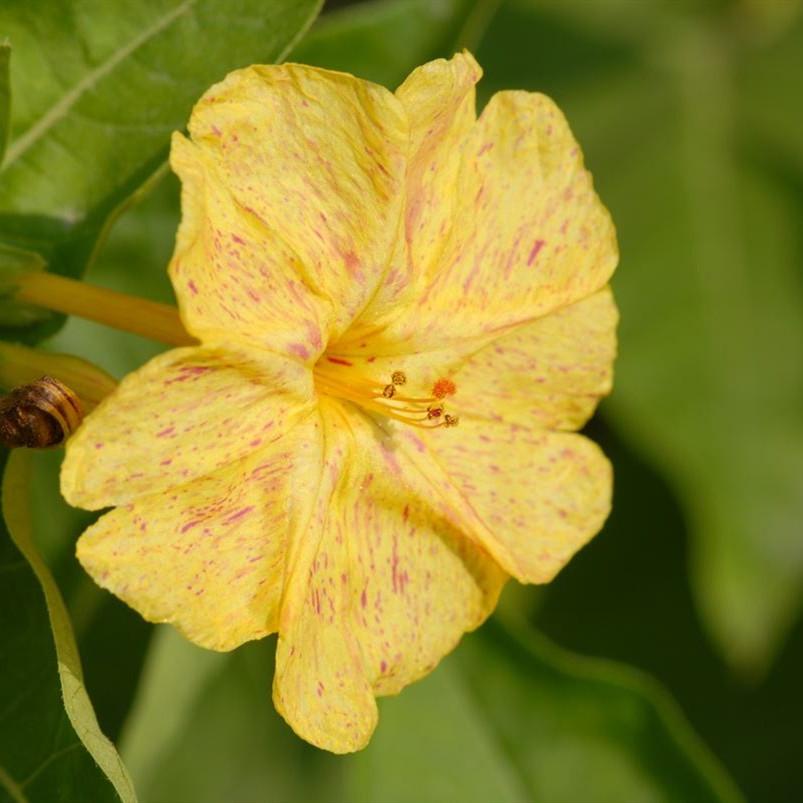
<point x="528" y="234"/>
<point x="293" y="185"/>
<point x="550" y="373"/>
<point x="209" y="556"/>
<point x="380" y="588"/>
<point x="530" y="497"/>
<point x="439" y="101"/>
<point x="395" y="233"/>
<point x="183" y="415"/>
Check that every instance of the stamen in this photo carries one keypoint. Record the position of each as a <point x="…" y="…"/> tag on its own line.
<point x="418" y="411"/>
<point x="370" y="388"/>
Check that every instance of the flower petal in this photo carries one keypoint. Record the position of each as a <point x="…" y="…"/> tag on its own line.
<point x="183" y="415"/>
<point x="531" y="498"/>
<point x="208" y="556"/>
<point x="293" y="185"/>
<point x="528" y="234"/>
<point x="379" y="589"/>
<point x="439" y="100"/>
<point x="550" y="373"/>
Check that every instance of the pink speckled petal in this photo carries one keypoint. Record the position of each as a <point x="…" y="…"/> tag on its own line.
<point x="379" y="589"/>
<point x="439" y="100"/>
<point x="528" y="234"/>
<point x="209" y="556"/>
<point x="531" y="498"/>
<point x="182" y="415"/>
<point x="293" y="185"/>
<point x="549" y="373"/>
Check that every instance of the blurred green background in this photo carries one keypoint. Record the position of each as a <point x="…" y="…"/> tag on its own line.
<point x="690" y="117"/>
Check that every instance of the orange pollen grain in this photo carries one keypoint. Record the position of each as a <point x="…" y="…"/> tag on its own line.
<point x="443" y="388"/>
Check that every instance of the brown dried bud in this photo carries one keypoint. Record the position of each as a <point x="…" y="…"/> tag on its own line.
<point x="37" y="416"/>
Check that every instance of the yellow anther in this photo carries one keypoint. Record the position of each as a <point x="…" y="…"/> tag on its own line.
<point x="398" y="378"/>
<point x="388" y="391"/>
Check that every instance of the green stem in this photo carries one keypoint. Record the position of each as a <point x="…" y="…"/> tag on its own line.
<point x="149" y="319"/>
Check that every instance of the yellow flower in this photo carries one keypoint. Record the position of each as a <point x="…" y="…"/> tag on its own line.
<point x="358" y="265"/>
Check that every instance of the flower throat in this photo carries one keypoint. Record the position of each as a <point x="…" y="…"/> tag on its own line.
<point x="389" y="399"/>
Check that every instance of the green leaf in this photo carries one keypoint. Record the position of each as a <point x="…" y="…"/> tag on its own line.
<point x="384" y="41"/>
<point x="204" y="729"/>
<point x="767" y="80"/>
<point x="5" y="96"/>
<point x="709" y="381"/>
<point x="42" y="757"/>
<point x="144" y="237"/>
<point x="508" y="717"/>
<point x="112" y="638"/>
<point x="173" y="680"/>
<point x="87" y="134"/>
<point x="515" y="718"/>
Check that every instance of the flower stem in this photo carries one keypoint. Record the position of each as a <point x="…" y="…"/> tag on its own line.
<point x="149" y="319"/>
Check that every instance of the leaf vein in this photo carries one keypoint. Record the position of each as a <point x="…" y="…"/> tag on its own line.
<point x="12" y="787"/>
<point x="48" y="761"/>
<point x="70" y="98"/>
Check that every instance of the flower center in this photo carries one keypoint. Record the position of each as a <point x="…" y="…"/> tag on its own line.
<point x="387" y="398"/>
